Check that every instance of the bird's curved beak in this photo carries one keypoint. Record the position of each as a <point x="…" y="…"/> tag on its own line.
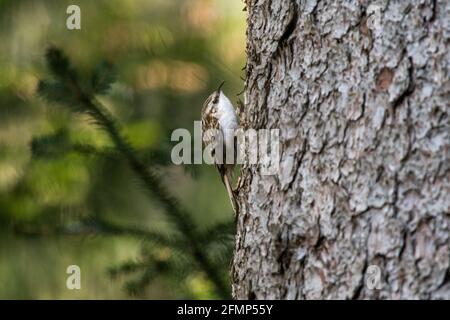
<point x="220" y="87"/>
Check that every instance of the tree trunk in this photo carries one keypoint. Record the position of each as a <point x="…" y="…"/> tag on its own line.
<point x="360" y="91"/>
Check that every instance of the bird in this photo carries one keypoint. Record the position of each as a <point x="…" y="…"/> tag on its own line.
<point x="219" y="123"/>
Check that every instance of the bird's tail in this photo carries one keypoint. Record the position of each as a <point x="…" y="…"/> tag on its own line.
<point x="227" y="181"/>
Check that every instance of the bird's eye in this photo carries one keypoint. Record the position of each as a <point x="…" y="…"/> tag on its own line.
<point x="216" y="99"/>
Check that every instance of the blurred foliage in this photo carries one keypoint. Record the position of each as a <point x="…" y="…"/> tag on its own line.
<point x="67" y="194"/>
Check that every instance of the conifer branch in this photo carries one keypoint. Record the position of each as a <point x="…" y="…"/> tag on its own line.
<point x="67" y="89"/>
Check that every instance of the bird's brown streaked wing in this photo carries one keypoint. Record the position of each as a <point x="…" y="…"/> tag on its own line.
<point x="209" y="124"/>
<point x="205" y="104"/>
<point x="210" y="129"/>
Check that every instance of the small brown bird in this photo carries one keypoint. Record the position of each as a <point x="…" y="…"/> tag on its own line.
<point x="219" y="122"/>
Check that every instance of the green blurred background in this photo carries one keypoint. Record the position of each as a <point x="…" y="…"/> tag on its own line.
<point x="169" y="55"/>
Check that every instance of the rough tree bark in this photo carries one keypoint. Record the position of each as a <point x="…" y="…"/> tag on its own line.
<point x="360" y="91"/>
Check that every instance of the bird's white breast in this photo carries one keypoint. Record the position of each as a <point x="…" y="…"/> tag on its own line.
<point x="228" y="118"/>
<point x="227" y="121"/>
